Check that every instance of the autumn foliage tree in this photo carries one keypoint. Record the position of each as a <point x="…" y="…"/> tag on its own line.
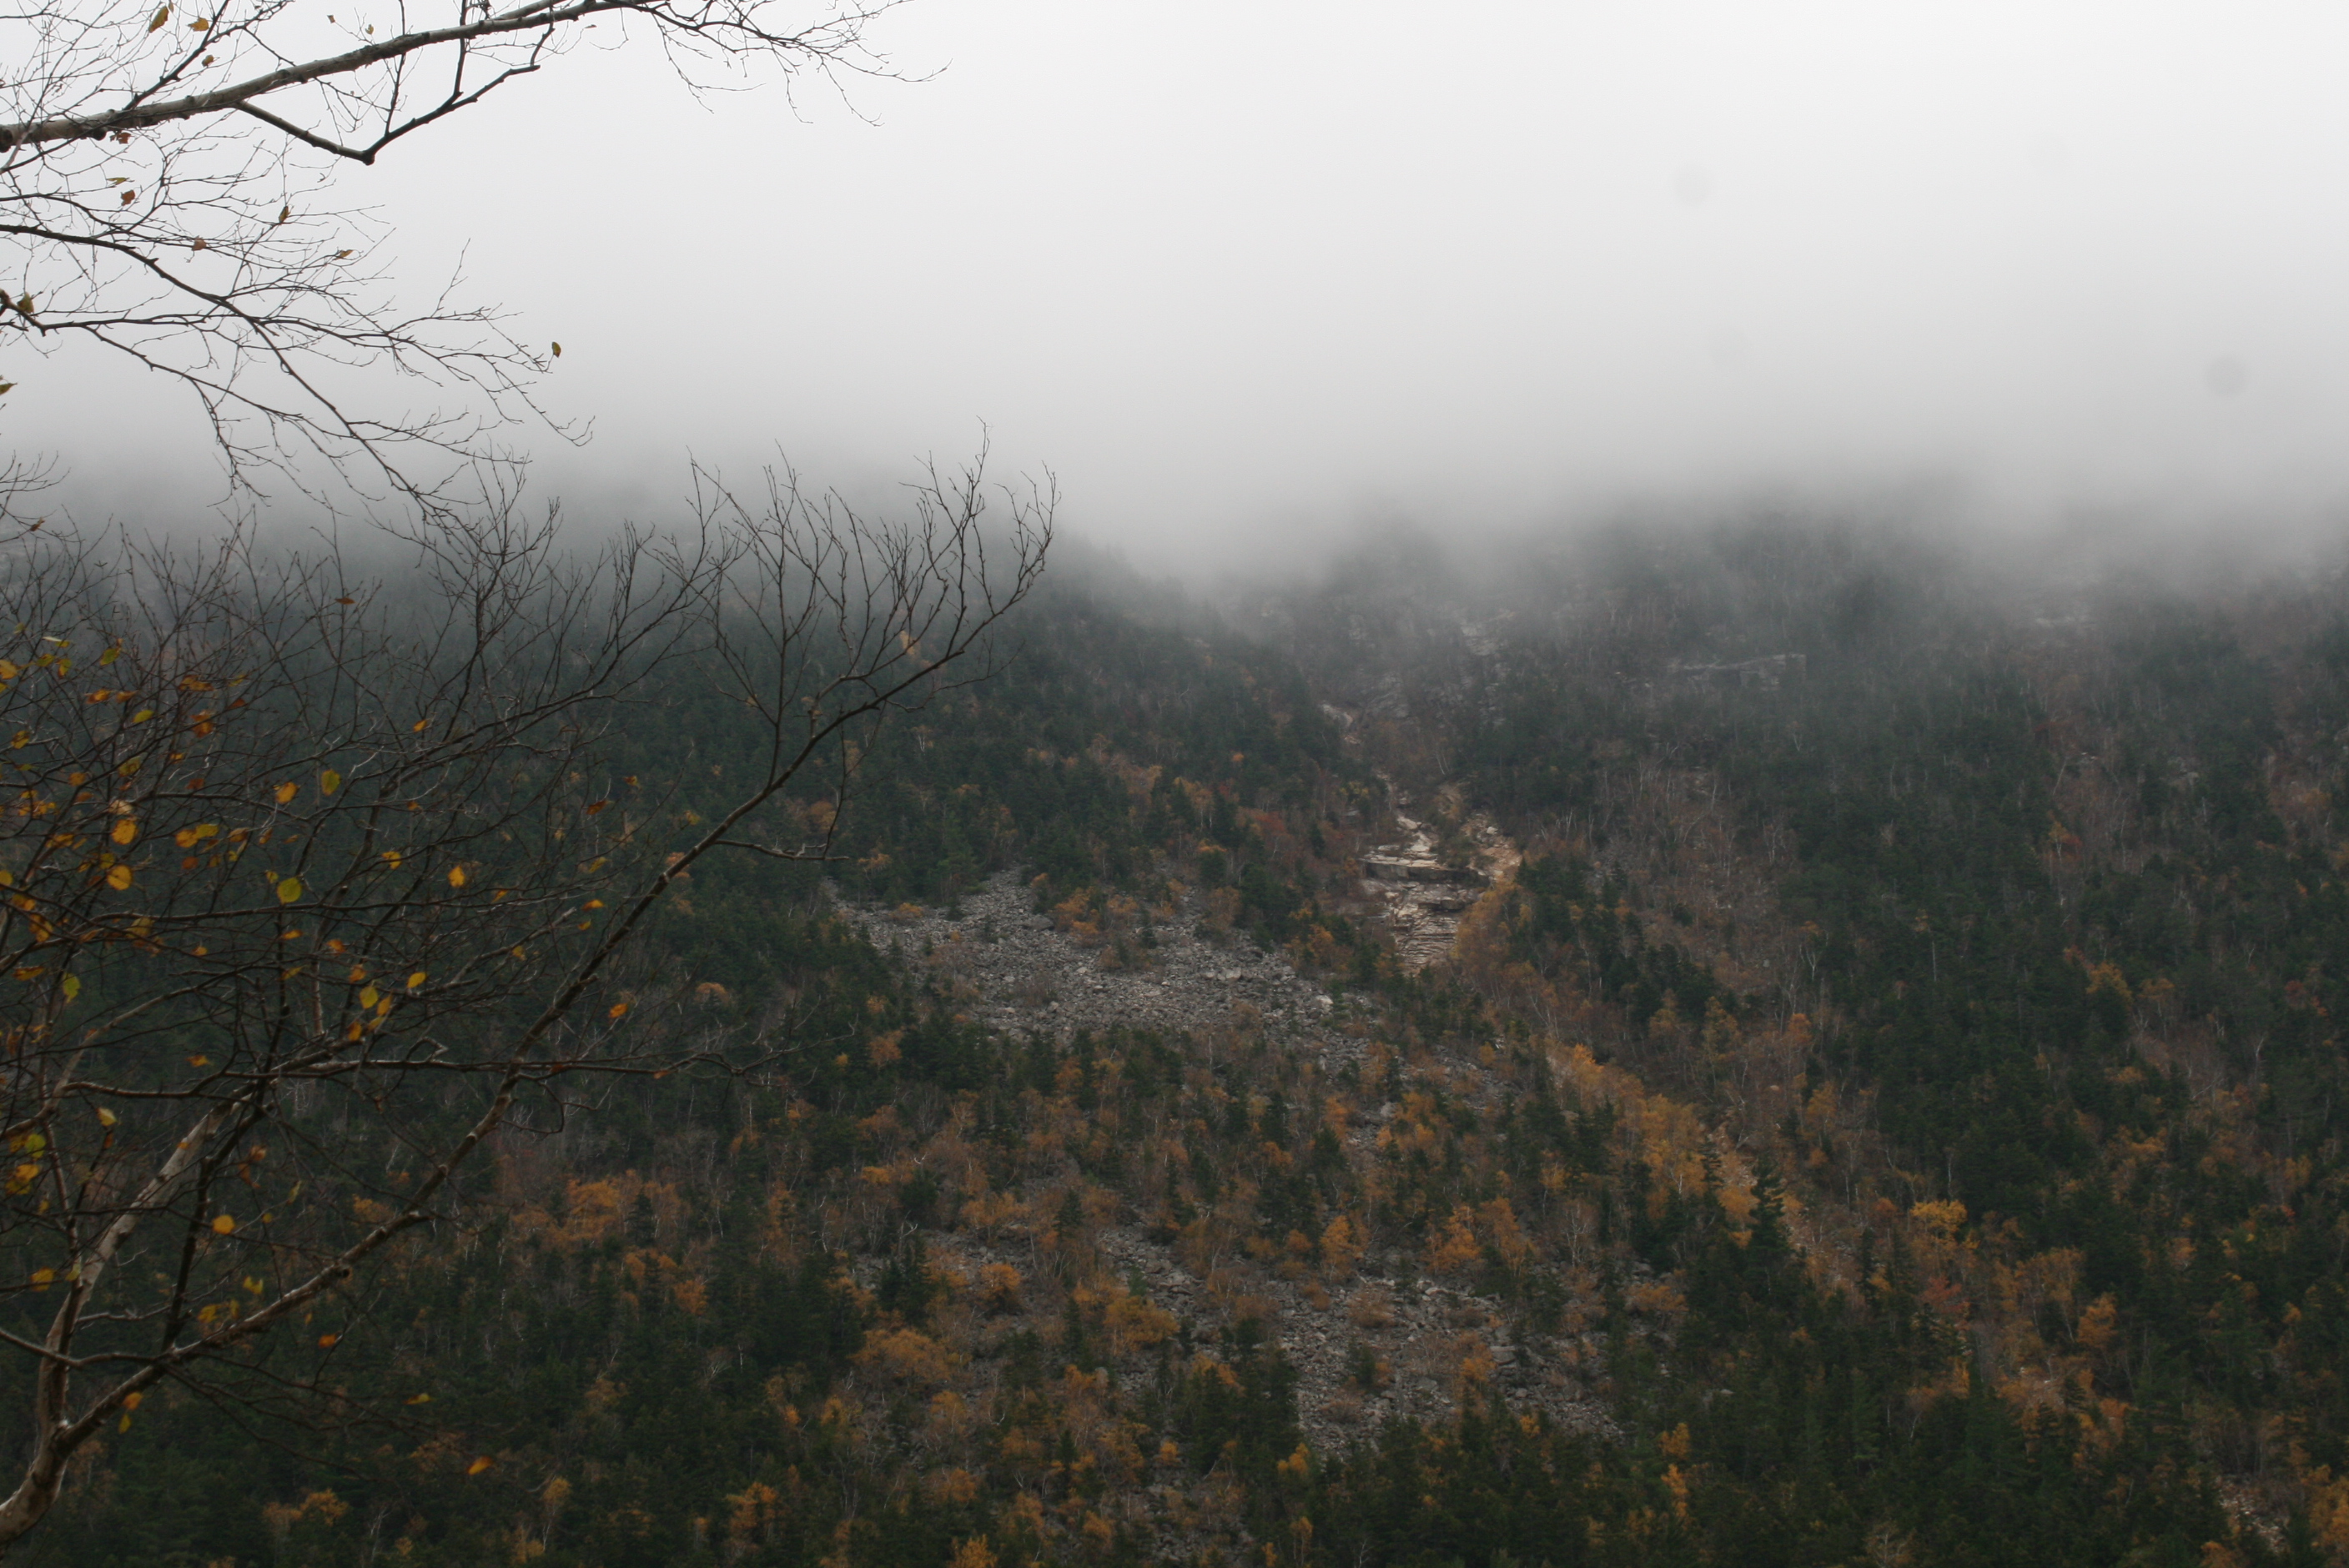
<point x="313" y="886"/>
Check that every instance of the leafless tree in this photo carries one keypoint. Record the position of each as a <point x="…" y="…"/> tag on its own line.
<point x="165" y="175"/>
<point x="310" y="888"/>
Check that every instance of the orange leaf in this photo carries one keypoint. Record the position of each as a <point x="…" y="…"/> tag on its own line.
<point x="125" y="830"/>
<point x="286" y="792"/>
<point x="456" y="876"/>
<point x="478" y="1466"/>
<point x="119" y="878"/>
<point x="617" y="1008"/>
<point x="224" y="1225"/>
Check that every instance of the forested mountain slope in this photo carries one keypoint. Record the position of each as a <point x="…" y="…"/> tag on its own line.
<point x="1891" y="1115"/>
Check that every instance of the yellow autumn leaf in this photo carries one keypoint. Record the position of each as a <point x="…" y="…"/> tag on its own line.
<point x="329" y="781"/>
<point x="392" y="858"/>
<point x="618" y="1009"/>
<point x="558" y="351"/>
<point x="125" y="830"/>
<point x="478" y="1466"/>
<point x="328" y="1341"/>
<point x="456" y="876"/>
<point x="416" y="979"/>
<point x="70" y="986"/>
<point x="368" y="997"/>
<point x="105" y="1117"/>
<point x="224" y="1225"/>
<point x="289" y="889"/>
<point x="119" y="878"/>
<point x="420" y="1399"/>
<point x="189" y="838"/>
<point x="161" y="18"/>
<point x="287" y="791"/>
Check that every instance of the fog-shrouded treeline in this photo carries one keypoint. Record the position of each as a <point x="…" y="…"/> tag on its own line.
<point x="1897" y="1092"/>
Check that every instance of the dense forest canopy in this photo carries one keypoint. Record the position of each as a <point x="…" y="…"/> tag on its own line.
<point x="1885" y="1107"/>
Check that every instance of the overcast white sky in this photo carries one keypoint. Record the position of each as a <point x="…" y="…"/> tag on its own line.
<point x="1244" y="272"/>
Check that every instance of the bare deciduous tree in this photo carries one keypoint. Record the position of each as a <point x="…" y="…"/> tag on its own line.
<point x="165" y="174"/>
<point x="310" y="888"/>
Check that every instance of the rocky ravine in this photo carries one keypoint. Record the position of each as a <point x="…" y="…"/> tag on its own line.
<point x="1421" y="895"/>
<point x="1013" y="970"/>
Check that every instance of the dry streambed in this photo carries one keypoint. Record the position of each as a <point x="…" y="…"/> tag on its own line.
<point x="1422" y="894"/>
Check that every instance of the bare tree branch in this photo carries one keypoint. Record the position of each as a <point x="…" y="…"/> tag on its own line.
<point x="280" y="855"/>
<point x="164" y="194"/>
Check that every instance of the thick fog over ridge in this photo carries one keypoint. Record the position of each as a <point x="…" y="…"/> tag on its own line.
<point x="1241" y="274"/>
